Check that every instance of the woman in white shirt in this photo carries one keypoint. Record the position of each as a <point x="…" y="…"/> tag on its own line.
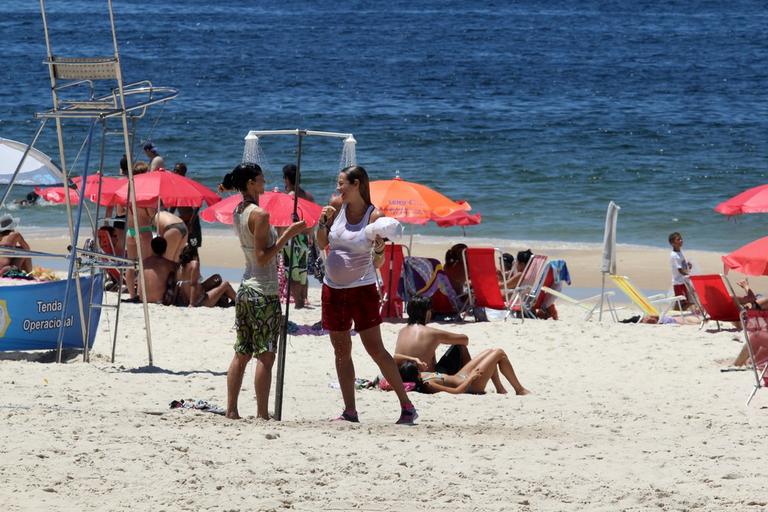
<point x="349" y="288"/>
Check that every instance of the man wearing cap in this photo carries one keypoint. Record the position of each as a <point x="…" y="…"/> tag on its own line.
<point x="9" y="237"/>
<point x="155" y="160"/>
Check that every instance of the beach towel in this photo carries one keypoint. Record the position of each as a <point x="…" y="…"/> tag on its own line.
<point x="423" y="277"/>
<point x="315" y="329"/>
<point x="199" y="405"/>
<point x="384" y="385"/>
<point x="560" y="272"/>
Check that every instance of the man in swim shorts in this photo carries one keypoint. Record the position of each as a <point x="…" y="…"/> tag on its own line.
<point x="159" y="274"/>
<point x="417" y="341"/>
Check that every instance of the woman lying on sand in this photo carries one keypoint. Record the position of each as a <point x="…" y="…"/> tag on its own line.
<point x="472" y="378"/>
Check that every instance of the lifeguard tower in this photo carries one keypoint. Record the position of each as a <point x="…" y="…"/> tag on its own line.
<point x="91" y="90"/>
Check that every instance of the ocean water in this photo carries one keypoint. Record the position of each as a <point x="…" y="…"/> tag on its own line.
<point x="537" y="113"/>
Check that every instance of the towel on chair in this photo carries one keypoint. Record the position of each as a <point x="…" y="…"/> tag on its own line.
<point x="560" y="271"/>
<point x="422" y="277"/>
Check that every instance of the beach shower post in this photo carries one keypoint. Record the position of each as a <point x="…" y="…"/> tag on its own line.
<point x="253" y="153"/>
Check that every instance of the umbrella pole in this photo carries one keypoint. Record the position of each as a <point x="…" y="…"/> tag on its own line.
<point x="281" y="347"/>
<point x="602" y="297"/>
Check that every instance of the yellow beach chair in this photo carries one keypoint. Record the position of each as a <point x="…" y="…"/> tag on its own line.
<point x="646" y="304"/>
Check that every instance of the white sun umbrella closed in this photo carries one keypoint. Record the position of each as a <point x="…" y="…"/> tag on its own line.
<point x="609" y="248"/>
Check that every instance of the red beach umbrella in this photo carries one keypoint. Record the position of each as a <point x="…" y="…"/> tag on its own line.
<point x="412" y="203"/>
<point x="458" y="218"/>
<point x="168" y="187"/>
<point x="753" y="200"/>
<point x="278" y="204"/>
<point x="752" y="259"/>
<point x="56" y="194"/>
<point x="109" y="184"/>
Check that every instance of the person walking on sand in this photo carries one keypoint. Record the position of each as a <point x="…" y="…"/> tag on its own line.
<point x="257" y="304"/>
<point x="681" y="268"/>
<point x="349" y="288"/>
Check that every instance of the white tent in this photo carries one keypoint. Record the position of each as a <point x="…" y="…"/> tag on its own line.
<point x="38" y="169"/>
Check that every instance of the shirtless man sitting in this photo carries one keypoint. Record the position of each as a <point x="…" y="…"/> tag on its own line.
<point x="417" y="342"/>
<point x="159" y="274"/>
<point x="9" y="237"/>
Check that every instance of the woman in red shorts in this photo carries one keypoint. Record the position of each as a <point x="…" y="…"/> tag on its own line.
<point x="349" y="288"/>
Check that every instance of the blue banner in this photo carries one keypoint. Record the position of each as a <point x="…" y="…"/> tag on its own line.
<point x="31" y="315"/>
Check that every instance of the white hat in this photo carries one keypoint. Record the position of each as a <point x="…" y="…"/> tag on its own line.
<point x="8" y="222"/>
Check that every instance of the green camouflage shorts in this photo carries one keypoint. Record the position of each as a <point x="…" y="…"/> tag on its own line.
<point x="258" y="319"/>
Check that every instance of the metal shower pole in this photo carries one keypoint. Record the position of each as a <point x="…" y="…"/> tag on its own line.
<point x="281" y="349"/>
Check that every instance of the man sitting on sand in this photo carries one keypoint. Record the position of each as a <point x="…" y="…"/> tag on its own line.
<point x="159" y="274"/>
<point x="9" y="237"/>
<point x="417" y="342"/>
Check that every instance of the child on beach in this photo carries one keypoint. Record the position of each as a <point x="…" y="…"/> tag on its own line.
<point x="680" y="267"/>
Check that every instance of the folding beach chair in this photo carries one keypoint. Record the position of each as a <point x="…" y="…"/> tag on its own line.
<point x="522" y="297"/>
<point x="390" y="271"/>
<point x="590" y="304"/>
<point x="646" y="304"/>
<point x="755" y="325"/>
<point x="714" y="296"/>
<point x="107" y="247"/>
<point x="534" y="299"/>
<point x="482" y="280"/>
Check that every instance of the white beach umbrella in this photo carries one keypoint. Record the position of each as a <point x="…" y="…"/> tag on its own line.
<point x="38" y="169"/>
<point x="609" y="248"/>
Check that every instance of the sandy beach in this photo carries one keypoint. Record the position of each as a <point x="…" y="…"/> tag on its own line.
<point x="622" y="417"/>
